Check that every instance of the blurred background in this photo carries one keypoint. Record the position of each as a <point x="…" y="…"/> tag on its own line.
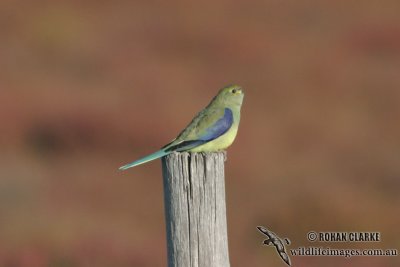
<point x="86" y="86"/>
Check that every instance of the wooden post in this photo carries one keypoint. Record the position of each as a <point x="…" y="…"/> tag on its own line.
<point x="194" y="195"/>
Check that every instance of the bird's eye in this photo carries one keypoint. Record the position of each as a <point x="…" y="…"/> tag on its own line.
<point x="234" y="91"/>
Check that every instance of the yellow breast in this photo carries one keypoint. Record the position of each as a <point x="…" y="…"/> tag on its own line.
<point x="220" y="143"/>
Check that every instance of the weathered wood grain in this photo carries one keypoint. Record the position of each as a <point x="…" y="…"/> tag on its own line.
<point x="194" y="194"/>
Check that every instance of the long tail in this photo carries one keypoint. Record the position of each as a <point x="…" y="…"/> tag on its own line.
<point x="156" y="155"/>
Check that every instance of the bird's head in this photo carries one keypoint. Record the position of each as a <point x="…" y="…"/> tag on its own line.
<point x="231" y="95"/>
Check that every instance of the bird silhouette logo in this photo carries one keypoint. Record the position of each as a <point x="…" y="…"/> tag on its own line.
<point x="274" y="240"/>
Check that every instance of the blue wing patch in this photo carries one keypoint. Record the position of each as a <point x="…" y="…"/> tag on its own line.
<point x="219" y="127"/>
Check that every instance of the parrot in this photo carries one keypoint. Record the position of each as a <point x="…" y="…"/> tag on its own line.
<point x="213" y="129"/>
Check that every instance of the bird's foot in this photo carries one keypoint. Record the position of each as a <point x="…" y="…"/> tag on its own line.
<point x="267" y="242"/>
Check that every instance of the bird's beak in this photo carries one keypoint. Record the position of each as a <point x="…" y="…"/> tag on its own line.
<point x="239" y="91"/>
